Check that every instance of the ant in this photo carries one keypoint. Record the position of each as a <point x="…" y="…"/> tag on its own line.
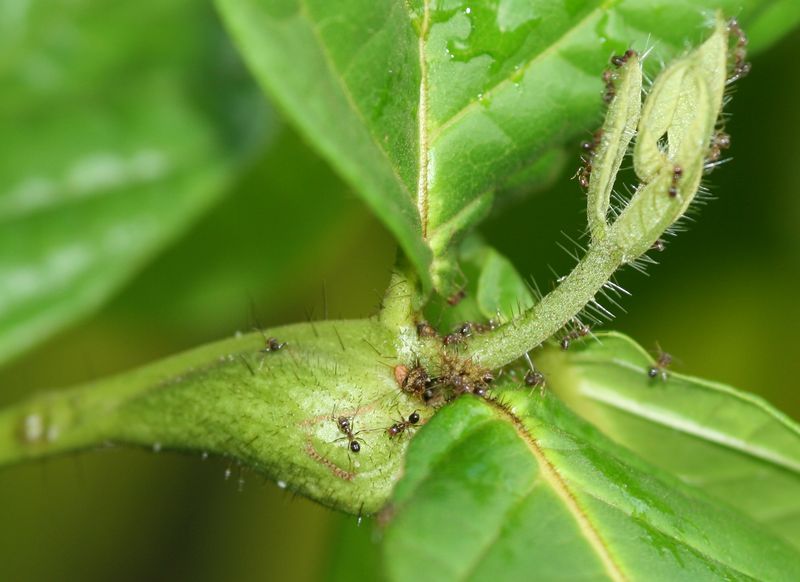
<point x="272" y="345"/>
<point x="610" y="92"/>
<point x="581" y="331"/>
<point x="484" y="327"/>
<point x="584" y="173"/>
<point x="400" y="427"/>
<point x="609" y="76"/>
<point x="677" y="173"/>
<point x="720" y="141"/>
<point x="345" y="425"/>
<point x="619" y="60"/>
<point x="413" y="381"/>
<point x="456" y="298"/>
<point x="425" y="329"/>
<point x="740" y="66"/>
<point x="659" y="245"/>
<point x="660" y="367"/>
<point x="533" y="377"/>
<point x="461" y="332"/>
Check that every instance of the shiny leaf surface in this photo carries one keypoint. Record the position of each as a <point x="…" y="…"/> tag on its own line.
<point x="733" y="445"/>
<point x="428" y="108"/>
<point x="493" y="494"/>
<point x="120" y="126"/>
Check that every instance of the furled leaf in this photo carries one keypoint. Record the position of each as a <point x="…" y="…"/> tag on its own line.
<point x="428" y="107"/>
<point x="486" y="496"/>
<point x="120" y="125"/>
<point x="733" y="445"/>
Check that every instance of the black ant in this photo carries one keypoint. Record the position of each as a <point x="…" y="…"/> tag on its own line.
<point x="272" y="345"/>
<point x="584" y="173"/>
<point x="619" y="60"/>
<point x="400" y="427"/>
<point x="660" y="367"/>
<point x="677" y="173"/>
<point x="461" y="332"/>
<point x="581" y="331"/>
<point x="609" y="76"/>
<point x="345" y="425"/>
<point x="535" y="379"/>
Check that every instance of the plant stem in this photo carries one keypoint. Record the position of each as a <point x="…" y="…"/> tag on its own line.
<point x="515" y="338"/>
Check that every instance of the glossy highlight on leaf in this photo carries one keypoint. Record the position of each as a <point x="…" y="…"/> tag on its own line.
<point x="495" y="492"/>
<point x="733" y="445"/>
<point x="112" y="144"/>
<point x="427" y="108"/>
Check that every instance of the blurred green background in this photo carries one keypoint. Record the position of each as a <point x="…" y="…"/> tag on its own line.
<point x="723" y="302"/>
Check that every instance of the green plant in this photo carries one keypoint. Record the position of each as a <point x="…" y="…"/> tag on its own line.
<point x="438" y="114"/>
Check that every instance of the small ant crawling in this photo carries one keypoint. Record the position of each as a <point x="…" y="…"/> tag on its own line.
<point x="610" y="76"/>
<point x="456" y="297"/>
<point x="677" y="173"/>
<point x="581" y="331"/>
<point x="619" y="60"/>
<point x="533" y="377"/>
<point x="425" y="329"/>
<point x="721" y="141"/>
<point x="660" y="367"/>
<point x="588" y="148"/>
<point x="272" y="345"/>
<point x="345" y="425"/>
<point x="740" y="67"/>
<point x="400" y="427"/>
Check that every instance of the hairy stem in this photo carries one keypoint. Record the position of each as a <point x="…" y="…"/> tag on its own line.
<point x="519" y="336"/>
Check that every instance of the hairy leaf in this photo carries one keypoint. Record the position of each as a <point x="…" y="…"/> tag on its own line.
<point x="119" y="127"/>
<point x="428" y="107"/>
<point x="733" y="445"/>
<point x="490" y="494"/>
<point x="267" y="405"/>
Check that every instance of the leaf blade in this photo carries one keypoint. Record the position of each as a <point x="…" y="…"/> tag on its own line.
<point x="99" y="126"/>
<point x="624" y="519"/>
<point x="733" y="445"/>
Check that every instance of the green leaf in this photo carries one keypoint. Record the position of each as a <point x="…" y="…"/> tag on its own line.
<point x="733" y="445"/>
<point x="427" y="108"/>
<point x="120" y="126"/>
<point x="489" y="495"/>
<point x="272" y="409"/>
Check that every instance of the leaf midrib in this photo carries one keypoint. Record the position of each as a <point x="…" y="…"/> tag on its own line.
<point x="337" y="76"/>
<point x="564" y="492"/>
<point x="489" y="93"/>
<point x="422" y="120"/>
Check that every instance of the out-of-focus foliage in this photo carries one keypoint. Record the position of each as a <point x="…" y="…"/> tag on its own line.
<point x="120" y="125"/>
